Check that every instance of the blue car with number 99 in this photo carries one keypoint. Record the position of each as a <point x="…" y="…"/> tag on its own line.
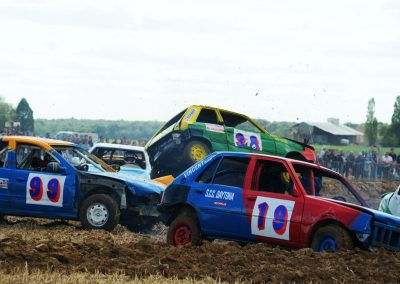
<point x="51" y="179"/>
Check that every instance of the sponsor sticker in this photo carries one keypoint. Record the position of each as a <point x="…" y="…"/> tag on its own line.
<point x="215" y="127"/>
<point x="190" y="115"/>
<point x="197" y="166"/>
<point x="4" y="183"/>
<point x="219" y="194"/>
<point x="45" y="190"/>
<point x="244" y="139"/>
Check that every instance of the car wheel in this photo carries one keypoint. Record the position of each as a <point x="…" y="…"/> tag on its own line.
<point x="195" y="151"/>
<point x="99" y="211"/>
<point x="331" y="238"/>
<point x="184" y="230"/>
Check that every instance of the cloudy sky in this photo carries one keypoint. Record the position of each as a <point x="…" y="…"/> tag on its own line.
<point x="142" y="60"/>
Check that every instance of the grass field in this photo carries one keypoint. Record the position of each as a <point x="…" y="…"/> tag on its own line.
<point x="354" y="148"/>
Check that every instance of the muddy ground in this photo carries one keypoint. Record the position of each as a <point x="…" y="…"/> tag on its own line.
<point x="61" y="250"/>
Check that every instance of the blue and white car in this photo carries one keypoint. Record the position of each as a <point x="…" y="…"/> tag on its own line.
<point x="131" y="160"/>
<point x="51" y="179"/>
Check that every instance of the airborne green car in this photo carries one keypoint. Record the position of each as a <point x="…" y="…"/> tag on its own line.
<point x="200" y="130"/>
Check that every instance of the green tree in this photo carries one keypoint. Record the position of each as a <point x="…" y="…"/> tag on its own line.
<point x="7" y="112"/>
<point x="371" y="125"/>
<point x="396" y="112"/>
<point x="392" y="134"/>
<point x="24" y="115"/>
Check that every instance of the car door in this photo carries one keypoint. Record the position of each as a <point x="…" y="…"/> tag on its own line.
<point x="217" y="193"/>
<point x="5" y="176"/>
<point x="35" y="191"/>
<point x="244" y="136"/>
<point x="273" y="205"/>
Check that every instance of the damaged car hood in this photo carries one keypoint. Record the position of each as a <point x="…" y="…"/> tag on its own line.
<point x="137" y="184"/>
<point x="377" y="215"/>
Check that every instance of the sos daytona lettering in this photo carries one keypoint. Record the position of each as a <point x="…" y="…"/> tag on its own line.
<point x="219" y="194"/>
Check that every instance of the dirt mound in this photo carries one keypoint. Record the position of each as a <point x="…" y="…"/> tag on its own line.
<point x="372" y="191"/>
<point x="65" y="248"/>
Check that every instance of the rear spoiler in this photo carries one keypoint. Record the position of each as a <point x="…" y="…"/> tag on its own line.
<point x="302" y="143"/>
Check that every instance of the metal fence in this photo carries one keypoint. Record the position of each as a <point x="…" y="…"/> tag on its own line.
<point x="364" y="170"/>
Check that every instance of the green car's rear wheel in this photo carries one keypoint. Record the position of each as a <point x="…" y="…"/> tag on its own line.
<point x="195" y="151"/>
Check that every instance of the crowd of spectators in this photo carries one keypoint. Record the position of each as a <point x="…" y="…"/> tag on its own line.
<point x="11" y="131"/>
<point x="370" y="164"/>
<point x="86" y="141"/>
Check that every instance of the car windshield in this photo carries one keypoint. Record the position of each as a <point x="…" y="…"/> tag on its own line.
<point x="77" y="157"/>
<point x="121" y="157"/>
<point x="318" y="182"/>
<point x="172" y="121"/>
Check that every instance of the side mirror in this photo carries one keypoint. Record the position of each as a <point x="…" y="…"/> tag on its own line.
<point x="54" y="167"/>
<point x="115" y="167"/>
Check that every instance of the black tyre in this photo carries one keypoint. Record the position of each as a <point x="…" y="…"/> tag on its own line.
<point x="195" y="151"/>
<point x="99" y="211"/>
<point x="331" y="238"/>
<point x="184" y="230"/>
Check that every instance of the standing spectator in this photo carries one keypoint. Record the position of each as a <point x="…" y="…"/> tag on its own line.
<point x="392" y="154"/>
<point x="350" y="159"/>
<point x="359" y="166"/>
<point x="397" y="167"/>
<point x="90" y="142"/>
<point x="386" y="162"/>
<point x="374" y="163"/>
<point x="322" y="153"/>
<point x="124" y="141"/>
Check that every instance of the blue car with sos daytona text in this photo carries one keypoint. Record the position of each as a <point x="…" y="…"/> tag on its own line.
<point x="51" y="179"/>
<point x="258" y="198"/>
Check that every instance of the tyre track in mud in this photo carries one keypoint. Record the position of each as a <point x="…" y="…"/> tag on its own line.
<point x="64" y="247"/>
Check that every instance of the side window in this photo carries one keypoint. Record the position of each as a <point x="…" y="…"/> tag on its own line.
<point x="104" y="154"/>
<point x="96" y="152"/>
<point x="32" y="158"/>
<point x="330" y="186"/>
<point x="305" y="175"/>
<point x="237" y="121"/>
<point x="207" y="175"/>
<point x="135" y="158"/>
<point x="207" y="116"/>
<point x="232" y="171"/>
<point x="3" y="153"/>
<point x="273" y="177"/>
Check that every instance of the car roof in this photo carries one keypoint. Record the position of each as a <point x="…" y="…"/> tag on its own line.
<point x="118" y="146"/>
<point x="43" y="142"/>
<point x="217" y="108"/>
<point x="244" y="154"/>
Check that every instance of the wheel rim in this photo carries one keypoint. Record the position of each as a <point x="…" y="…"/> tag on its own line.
<point x="182" y="235"/>
<point x="197" y="152"/>
<point x="97" y="214"/>
<point x="328" y="243"/>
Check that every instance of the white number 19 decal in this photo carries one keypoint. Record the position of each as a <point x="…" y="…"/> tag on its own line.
<point x="271" y="217"/>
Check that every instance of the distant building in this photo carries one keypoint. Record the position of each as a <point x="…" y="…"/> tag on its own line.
<point x="330" y="132"/>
